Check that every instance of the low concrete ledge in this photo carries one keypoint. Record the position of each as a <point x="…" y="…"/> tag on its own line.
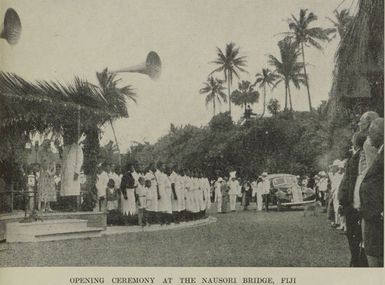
<point x="114" y="230"/>
<point x="94" y="219"/>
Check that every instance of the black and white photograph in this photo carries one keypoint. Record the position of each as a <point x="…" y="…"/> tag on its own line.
<point x="181" y="133"/>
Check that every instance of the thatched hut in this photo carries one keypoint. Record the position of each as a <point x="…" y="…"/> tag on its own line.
<point x="359" y="74"/>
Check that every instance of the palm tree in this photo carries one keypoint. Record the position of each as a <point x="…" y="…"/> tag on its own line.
<point x="341" y="22"/>
<point x="267" y="77"/>
<point x="245" y="94"/>
<point x="46" y="106"/>
<point x="230" y="63"/>
<point x="214" y="89"/>
<point x="287" y="68"/>
<point x="304" y="35"/>
<point x="115" y="97"/>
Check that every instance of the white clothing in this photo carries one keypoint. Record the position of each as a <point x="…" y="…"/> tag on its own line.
<point x="323" y="184"/>
<point x="129" y="205"/>
<point x="362" y="166"/>
<point x="152" y="195"/>
<point x="265" y="186"/>
<point x="72" y="163"/>
<point x="174" y="202"/>
<point x="101" y="184"/>
<point x="258" y="196"/>
<point x="206" y="193"/>
<point x="164" y="203"/>
<point x="218" y="195"/>
<point x="141" y="191"/>
<point x="136" y="176"/>
<point x="233" y="193"/>
<point x="235" y="188"/>
<point x="233" y="202"/>
<point x="181" y="193"/>
<point x="335" y="184"/>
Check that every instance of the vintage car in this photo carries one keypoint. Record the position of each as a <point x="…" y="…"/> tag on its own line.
<point x="285" y="191"/>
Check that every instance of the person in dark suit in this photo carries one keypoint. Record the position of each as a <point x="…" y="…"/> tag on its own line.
<point x="347" y="203"/>
<point x="372" y="199"/>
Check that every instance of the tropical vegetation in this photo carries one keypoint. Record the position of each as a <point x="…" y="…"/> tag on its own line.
<point x="263" y="79"/>
<point x="304" y="35"/>
<point x="245" y="94"/>
<point x="213" y="88"/>
<point x="230" y="63"/>
<point x="287" y="67"/>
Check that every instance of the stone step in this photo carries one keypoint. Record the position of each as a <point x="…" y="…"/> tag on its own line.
<point x="85" y="233"/>
<point x="28" y="232"/>
<point x="44" y="227"/>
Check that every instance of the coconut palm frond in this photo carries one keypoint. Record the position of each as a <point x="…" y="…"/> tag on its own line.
<point x="115" y="96"/>
<point x="230" y="63"/>
<point x="43" y="105"/>
<point x="213" y="89"/>
<point x="245" y="94"/>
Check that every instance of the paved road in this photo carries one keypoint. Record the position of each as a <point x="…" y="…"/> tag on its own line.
<point x="243" y="238"/>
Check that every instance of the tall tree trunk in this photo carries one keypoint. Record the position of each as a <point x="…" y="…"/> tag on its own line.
<point x="264" y="101"/>
<point x="288" y="89"/>
<point x="306" y="79"/>
<point x="117" y="144"/>
<point x="228" y="87"/>
<point x="214" y="105"/>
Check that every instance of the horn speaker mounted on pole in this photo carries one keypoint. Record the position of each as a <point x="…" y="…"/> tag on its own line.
<point x="11" y="28"/>
<point x="151" y="67"/>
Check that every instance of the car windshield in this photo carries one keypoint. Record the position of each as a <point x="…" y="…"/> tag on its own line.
<point x="284" y="180"/>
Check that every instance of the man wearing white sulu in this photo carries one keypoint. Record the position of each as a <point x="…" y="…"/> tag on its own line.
<point x="72" y="164"/>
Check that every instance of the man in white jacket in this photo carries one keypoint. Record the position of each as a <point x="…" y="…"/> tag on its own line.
<point x="234" y="190"/>
<point x="70" y="180"/>
<point x="265" y="189"/>
<point x="218" y="194"/>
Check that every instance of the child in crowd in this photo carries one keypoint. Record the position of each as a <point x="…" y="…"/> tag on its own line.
<point x="141" y="193"/>
<point x="112" y="197"/>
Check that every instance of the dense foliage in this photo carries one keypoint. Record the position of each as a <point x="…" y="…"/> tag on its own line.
<point x="296" y="143"/>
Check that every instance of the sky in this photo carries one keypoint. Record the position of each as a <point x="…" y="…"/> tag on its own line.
<point x="62" y="39"/>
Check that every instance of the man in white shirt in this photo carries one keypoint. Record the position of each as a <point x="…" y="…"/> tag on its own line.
<point x="258" y="193"/>
<point x="218" y="194"/>
<point x="72" y="164"/>
<point x="335" y="180"/>
<point x="101" y="187"/>
<point x="164" y="203"/>
<point x="234" y="190"/>
<point x="152" y="196"/>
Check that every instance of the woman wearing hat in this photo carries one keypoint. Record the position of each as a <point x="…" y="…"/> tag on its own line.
<point x="46" y="184"/>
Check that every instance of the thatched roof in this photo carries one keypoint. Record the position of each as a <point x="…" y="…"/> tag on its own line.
<point x="360" y="56"/>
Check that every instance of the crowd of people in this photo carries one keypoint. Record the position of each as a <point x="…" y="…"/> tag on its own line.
<point x="159" y="195"/>
<point x="353" y="191"/>
<point x="226" y="191"/>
